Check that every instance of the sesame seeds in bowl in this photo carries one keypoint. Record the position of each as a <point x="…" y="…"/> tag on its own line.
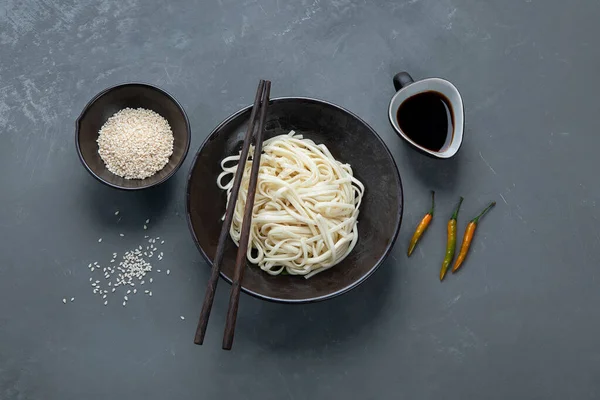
<point x="132" y="136"/>
<point x="135" y="143"/>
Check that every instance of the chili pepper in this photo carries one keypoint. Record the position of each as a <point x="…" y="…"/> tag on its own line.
<point x="422" y="226"/>
<point x="451" y="243"/>
<point x="466" y="243"/>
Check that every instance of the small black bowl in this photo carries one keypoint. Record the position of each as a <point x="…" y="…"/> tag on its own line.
<point x="350" y="140"/>
<point x="132" y="95"/>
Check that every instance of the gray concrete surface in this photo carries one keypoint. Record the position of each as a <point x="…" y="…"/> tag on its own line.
<point x="521" y="320"/>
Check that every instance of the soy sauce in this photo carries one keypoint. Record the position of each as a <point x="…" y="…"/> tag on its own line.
<point x="426" y="118"/>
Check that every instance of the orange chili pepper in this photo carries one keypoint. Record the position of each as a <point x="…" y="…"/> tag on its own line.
<point x="468" y="238"/>
<point x="422" y="226"/>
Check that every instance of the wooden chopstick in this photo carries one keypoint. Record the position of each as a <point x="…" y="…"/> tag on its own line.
<point x="214" y="275"/>
<point x="240" y="262"/>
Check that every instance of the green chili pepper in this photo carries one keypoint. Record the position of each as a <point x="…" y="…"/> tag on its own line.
<point x="451" y="243"/>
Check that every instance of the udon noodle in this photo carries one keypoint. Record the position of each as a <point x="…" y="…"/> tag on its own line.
<point x="304" y="219"/>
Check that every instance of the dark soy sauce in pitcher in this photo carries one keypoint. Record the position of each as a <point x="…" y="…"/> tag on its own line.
<point x="426" y="118"/>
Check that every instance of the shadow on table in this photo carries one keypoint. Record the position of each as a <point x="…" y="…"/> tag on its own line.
<point x="317" y="326"/>
<point x="432" y="172"/>
<point x="134" y="206"/>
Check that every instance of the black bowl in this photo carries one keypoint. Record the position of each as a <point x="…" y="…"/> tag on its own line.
<point x="350" y="140"/>
<point x="132" y="95"/>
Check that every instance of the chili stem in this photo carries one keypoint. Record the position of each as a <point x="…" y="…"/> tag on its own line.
<point x="432" y="203"/>
<point x="455" y="214"/>
<point x="476" y="219"/>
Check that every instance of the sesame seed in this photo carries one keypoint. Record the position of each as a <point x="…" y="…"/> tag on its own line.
<point x="90" y="265"/>
<point x="64" y="301"/>
<point x="182" y="317"/>
<point x="163" y="242"/>
<point x="113" y="290"/>
<point x="90" y="278"/>
<point x="145" y="227"/>
<point x="106" y="302"/>
<point x="150" y="294"/>
<point x="128" y="291"/>
<point x="104" y="296"/>
<point x="120" y="234"/>
<point x="125" y="298"/>
<point x="124" y="303"/>
<point x="117" y="212"/>
<point x="151" y="280"/>
<point x="146" y="291"/>
<point x="92" y="269"/>
<point x="168" y="271"/>
<point x="142" y="282"/>
<point x="100" y="240"/>
<point x="72" y="299"/>
<point x="158" y="270"/>
<point x="148" y="221"/>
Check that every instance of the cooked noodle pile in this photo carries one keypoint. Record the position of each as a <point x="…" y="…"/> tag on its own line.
<point x="305" y="212"/>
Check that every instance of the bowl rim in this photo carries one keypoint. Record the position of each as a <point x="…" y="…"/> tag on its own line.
<point x="104" y="92"/>
<point x="338" y="292"/>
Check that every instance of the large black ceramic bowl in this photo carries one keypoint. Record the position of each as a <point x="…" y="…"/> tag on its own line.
<point x="132" y="95"/>
<point x="350" y="140"/>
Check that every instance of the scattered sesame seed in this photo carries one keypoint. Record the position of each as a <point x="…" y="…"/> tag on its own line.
<point x="134" y="291"/>
<point x="120" y="234"/>
<point x="113" y="290"/>
<point x="94" y="284"/>
<point x="117" y="212"/>
<point x="151" y="280"/>
<point x="142" y="282"/>
<point x="90" y="278"/>
<point x="146" y="291"/>
<point x="106" y="302"/>
<point x="128" y="291"/>
<point x="158" y="270"/>
<point x="64" y="301"/>
<point x="72" y="299"/>
<point x="92" y="269"/>
<point x="145" y="227"/>
<point x="104" y="296"/>
<point x="163" y="242"/>
<point x="148" y="221"/>
<point x="182" y="317"/>
<point x="124" y="303"/>
<point x="90" y="265"/>
<point x="125" y="298"/>
<point x="168" y="271"/>
<point x="150" y="294"/>
<point x="100" y="240"/>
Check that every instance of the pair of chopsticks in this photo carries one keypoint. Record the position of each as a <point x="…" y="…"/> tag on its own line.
<point x="261" y="101"/>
